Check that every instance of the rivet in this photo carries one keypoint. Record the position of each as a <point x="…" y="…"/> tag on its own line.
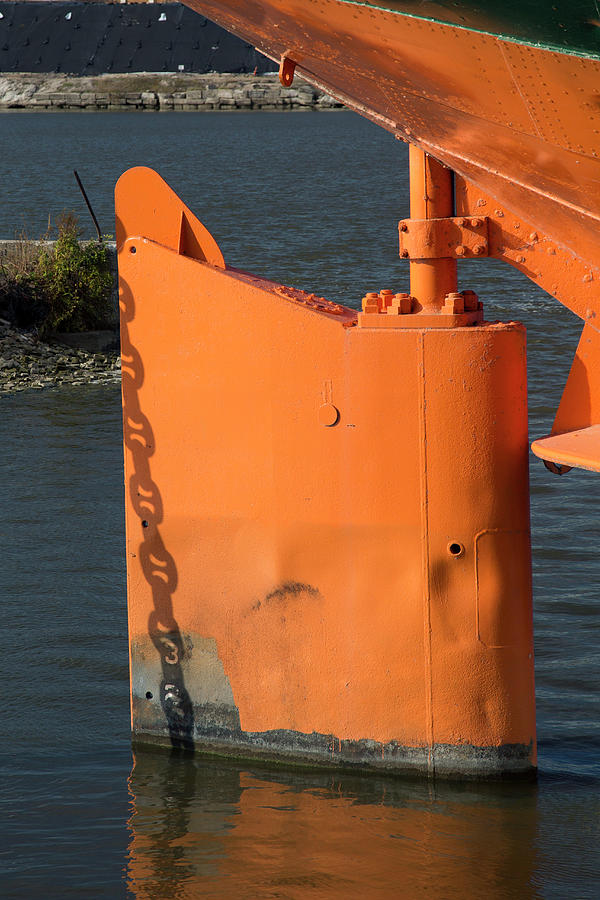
<point x="460" y="250"/>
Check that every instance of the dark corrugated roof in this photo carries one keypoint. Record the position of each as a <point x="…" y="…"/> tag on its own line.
<point x="92" y="38"/>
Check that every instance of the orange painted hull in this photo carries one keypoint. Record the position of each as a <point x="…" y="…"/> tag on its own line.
<point x="327" y="521"/>
<point x="520" y="121"/>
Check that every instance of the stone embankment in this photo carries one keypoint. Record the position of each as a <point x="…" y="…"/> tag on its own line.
<point x="147" y="91"/>
<point x="27" y="363"/>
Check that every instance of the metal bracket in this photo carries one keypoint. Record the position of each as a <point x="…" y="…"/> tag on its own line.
<point x="454" y="238"/>
<point x="574" y="281"/>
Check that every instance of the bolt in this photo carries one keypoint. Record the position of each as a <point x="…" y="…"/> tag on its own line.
<point x="533" y="237"/>
<point x="370" y="302"/>
<point x="499" y="213"/>
<point x="403" y="226"/>
<point x="404" y="254"/>
<point x="454" y="304"/>
<point x="386" y="297"/>
<point x="475" y="223"/>
<point x="520" y="259"/>
<point x="401" y="304"/>
<point x="460" y="250"/>
<point x="470" y="300"/>
<point x="478" y="249"/>
<point x="460" y="222"/>
<point x="587" y="277"/>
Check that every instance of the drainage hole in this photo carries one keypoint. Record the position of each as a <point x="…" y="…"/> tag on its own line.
<point x="148" y="695"/>
<point x="145" y="523"/>
<point x="133" y="249"/>
<point x="456" y="549"/>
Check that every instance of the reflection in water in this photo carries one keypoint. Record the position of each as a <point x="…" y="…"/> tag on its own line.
<point x="205" y="828"/>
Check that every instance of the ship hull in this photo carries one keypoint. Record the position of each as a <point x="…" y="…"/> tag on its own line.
<point x="516" y="115"/>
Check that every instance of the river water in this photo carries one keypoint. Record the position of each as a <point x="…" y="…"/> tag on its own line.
<point x="312" y="200"/>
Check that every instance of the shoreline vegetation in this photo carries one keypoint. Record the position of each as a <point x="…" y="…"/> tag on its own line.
<point x="158" y="92"/>
<point x="56" y="304"/>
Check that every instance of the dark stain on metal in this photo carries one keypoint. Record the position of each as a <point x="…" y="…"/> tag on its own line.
<point x="218" y="732"/>
<point x="288" y="590"/>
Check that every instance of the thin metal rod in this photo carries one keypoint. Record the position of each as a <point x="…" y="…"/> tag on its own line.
<point x="88" y="204"/>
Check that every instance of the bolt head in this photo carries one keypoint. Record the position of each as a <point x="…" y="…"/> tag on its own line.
<point x="460" y="250"/>
<point x="454" y="304"/>
<point x="470" y="300"/>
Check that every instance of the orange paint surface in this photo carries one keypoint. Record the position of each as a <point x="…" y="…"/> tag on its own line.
<point x="338" y="514"/>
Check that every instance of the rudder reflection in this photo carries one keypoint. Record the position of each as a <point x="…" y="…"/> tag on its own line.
<point x="207" y="828"/>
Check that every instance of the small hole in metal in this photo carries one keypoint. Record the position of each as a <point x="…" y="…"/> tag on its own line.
<point x="145" y="523"/>
<point x="133" y="249"/>
<point x="148" y="695"/>
<point x="455" y="549"/>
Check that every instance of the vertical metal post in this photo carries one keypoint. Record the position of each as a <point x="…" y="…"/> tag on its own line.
<point x="431" y="197"/>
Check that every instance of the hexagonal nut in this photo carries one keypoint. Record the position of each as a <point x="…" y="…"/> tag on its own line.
<point x="454" y="304"/>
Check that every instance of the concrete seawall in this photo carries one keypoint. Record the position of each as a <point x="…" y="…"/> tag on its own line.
<point x="158" y="92"/>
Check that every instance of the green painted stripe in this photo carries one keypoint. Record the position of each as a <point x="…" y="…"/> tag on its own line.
<point x="566" y="26"/>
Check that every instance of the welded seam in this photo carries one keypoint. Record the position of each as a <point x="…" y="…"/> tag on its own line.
<point x="425" y="560"/>
<point x="524" y="100"/>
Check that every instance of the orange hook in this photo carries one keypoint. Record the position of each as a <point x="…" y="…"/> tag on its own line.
<point x="287" y="67"/>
